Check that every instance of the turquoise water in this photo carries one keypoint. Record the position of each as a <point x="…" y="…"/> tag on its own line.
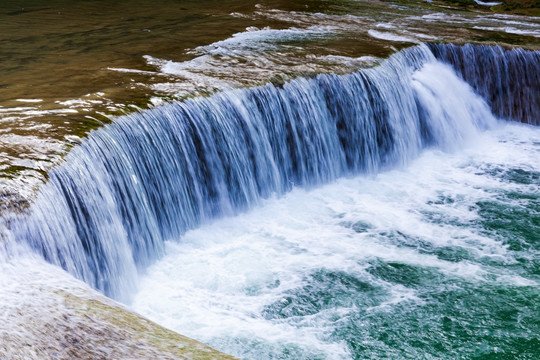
<point x="439" y="259"/>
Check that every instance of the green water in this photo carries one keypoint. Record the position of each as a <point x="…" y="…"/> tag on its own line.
<point x="453" y="318"/>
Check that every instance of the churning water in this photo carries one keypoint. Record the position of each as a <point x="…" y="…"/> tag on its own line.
<point x="436" y="260"/>
<point x="384" y="213"/>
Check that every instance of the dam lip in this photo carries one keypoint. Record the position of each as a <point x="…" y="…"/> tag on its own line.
<point x="13" y="200"/>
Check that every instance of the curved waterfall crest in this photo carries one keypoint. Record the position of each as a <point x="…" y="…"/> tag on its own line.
<point x="508" y="79"/>
<point x="149" y="177"/>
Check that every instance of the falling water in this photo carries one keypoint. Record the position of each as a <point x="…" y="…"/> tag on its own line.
<point x="149" y="177"/>
<point x="508" y="79"/>
<point x="354" y="216"/>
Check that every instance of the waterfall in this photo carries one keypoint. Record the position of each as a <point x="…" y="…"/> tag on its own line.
<point x="509" y="79"/>
<point x="151" y="176"/>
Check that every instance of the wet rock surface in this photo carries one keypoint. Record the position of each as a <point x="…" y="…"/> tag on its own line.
<point x="46" y="314"/>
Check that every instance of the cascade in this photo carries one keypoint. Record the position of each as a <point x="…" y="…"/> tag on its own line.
<point x="509" y="79"/>
<point x="151" y="176"/>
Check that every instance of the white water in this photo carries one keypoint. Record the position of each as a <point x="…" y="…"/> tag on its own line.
<point x="216" y="282"/>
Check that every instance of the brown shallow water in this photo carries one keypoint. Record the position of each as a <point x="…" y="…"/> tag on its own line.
<point x="68" y="67"/>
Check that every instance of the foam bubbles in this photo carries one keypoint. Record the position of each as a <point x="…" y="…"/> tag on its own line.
<point x="285" y="278"/>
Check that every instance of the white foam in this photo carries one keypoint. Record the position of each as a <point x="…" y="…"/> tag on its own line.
<point x="515" y="22"/>
<point x="510" y="30"/>
<point x="390" y="36"/>
<point x="29" y="100"/>
<point x="256" y="38"/>
<point x="489" y="3"/>
<point x="75" y="103"/>
<point x="134" y="71"/>
<point x="214" y="284"/>
<point x="16" y="109"/>
<point x="386" y="26"/>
